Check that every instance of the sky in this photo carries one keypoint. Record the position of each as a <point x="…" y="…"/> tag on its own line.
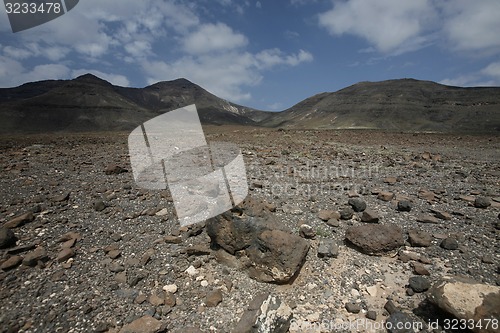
<point x="266" y="54"/>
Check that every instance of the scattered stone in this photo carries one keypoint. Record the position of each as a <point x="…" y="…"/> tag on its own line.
<point x="198" y="250"/>
<point x="427" y="195"/>
<point x="113" y="169"/>
<point x="116" y="267"/>
<point x="99" y="205"/>
<point x="425" y="218"/>
<point x="293" y="210"/>
<point x="328" y="249"/>
<point x="21" y="249"/>
<point x="487" y="259"/>
<point x="156" y="300"/>
<point x="162" y="212"/>
<point x="213" y="298"/>
<point x="146" y="324"/>
<point x="61" y="197"/>
<point x="265" y="313"/>
<point x="419" y="238"/>
<point x="399" y="322"/>
<point x="306" y="231"/>
<point x="12" y="262"/>
<point x="113" y="254"/>
<point x="419" y="269"/>
<point x="33" y="257"/>
<point x="170" y="300"/>
<point x="390" y="180"/>
<point x="371" y="315"/>
<point x="191" y="271"/>
<point x="333" y="223"/>
<point x="467" y="300"/>
<point x="404" y="206"/>
<point x="385" y="196"/>
<point x="369" y="216"/>
<point x="65" y="254"/>
<point x="346" y="213"/>
<point x="19" y="220"/>
<point x="419" y="284"/>
<point x="482" y="202"/>
<point x="449" y="243"/>
<point x="170" y="288"/>
<point x="352" y="307"/>
<point x="441" y="214"/>
<point x="375" y="239"/>
<point x="172" y="239"/>
<point x="357" y="204"/>
<point x="7" y="238"/>
<point x="326" y="215"/>
<point x="390" y="307"/>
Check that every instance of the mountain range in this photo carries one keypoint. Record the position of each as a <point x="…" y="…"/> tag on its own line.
<point x="88" y="103"/>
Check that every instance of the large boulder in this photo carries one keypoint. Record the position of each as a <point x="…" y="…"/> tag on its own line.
<point x="261" y="244"/>
<point x="468" y="300"/>
<point x="375" y="239"/>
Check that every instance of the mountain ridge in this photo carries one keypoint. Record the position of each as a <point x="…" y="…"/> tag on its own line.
<point x="89" y="103"/>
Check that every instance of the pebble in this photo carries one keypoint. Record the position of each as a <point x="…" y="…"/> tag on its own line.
<point x="170" y="288"/>
<point x="419" y="284"/>
<point x="213" y="298"/>
<point x="449" y="243"/>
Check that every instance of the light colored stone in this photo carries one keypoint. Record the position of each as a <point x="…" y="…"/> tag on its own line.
<point x="170" y="288"/>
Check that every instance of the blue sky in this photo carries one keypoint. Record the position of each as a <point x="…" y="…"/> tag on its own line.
<point x="267" y="54"/>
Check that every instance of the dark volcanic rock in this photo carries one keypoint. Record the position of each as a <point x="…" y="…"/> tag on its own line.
<point x="346" y="213"/>
<point x="113" y="169"/>
<point x="449" y="243"/>
<point x="419" y="238"/>
<point x="328" y="249"/>
<point x="146" y="324"/>
<point x="357" y="204"/>
<point x="19" y="220"/>
<point x="33" y="257"/>
<point x="404" y="206"/>
<point x="369" y="216"/>
<point x="375" y="239"/>
<point x="352" y="307"/>
<point x="268" y="248"/>
<point x="482" y="202"/>
<point x="419" y="284"/>
<point x="213" y="298"/>
<point x="7" y="238"/>
<point x="399" y="322"/>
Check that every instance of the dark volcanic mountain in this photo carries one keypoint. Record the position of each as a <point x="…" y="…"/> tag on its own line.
<point x="398" y="105"/>
<point x="88" y="103"/>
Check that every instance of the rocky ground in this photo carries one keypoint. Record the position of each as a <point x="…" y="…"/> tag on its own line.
<point x="369" y="224"/>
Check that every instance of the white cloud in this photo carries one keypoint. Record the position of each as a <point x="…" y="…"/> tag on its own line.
<point x="472" y="25"/>
<point x="234" y="70"/>
<point x="389" y="25"/>
<point x="272" y="57"/>
<point x="492" y="70"/>
<point x="213" y="37"/>
<point x="12" y="72"/>
<point x="488" y="76"/>
<point x="161" y="40"/>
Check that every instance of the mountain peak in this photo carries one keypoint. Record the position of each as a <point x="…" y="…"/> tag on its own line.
<point x="91" y="78"/>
